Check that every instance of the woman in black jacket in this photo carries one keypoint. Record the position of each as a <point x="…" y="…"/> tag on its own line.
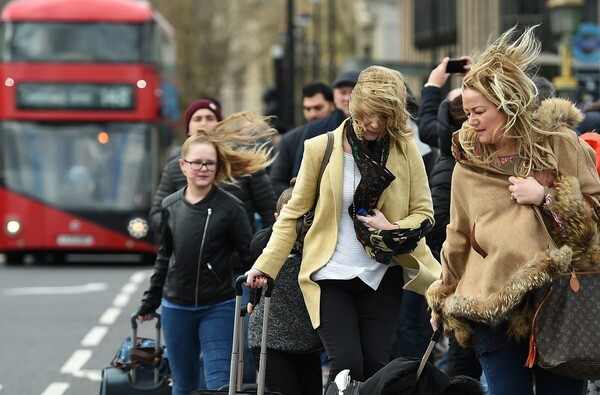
<point x="202" y="227"/>
<point x="254" y="190"/>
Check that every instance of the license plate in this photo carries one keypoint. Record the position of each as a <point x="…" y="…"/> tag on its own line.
<point x="75" y="240"/>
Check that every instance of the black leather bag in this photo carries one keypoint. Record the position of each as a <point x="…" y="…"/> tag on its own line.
<point x="304" y="222"/>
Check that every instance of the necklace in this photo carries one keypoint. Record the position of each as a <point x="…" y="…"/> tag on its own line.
<point x="353" y="188"/>
<point x="502" y="160"/>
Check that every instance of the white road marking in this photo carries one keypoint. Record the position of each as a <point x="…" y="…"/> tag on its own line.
<point x="76" y="362"/>
<point x="74" y="365"/>
<point x="121" y="300"/>
<point x="68" y="290"/>
<point x="90" y="374"/>
<point x="94" y="336"/>
<point x="56" y="389"/>
<point x="110" y="316"/>
<point x="138" y="277"/>
<point x="129" y="289"/>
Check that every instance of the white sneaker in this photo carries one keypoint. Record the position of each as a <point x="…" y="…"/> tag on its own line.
<point x="342" y="379"/>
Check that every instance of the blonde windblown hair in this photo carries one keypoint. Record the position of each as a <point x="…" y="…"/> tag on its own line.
<point x="382" y="92"/>
<point x="502" y="75"/>
<point x="235" y="140"/>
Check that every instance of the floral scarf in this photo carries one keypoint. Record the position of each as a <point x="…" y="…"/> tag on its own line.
<point x="371" y="158"/>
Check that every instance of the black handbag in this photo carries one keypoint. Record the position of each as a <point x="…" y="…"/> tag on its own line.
<point x="304" y="222"/>
<point x="564" y="333"/>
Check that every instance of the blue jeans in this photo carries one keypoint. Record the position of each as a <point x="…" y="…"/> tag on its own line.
<point x="506" y="374"/>
<point x="209" y="328"/>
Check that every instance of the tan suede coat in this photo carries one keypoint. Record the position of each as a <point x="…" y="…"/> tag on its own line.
<point x="497" y="250"/>
<point x="406" y="202"/>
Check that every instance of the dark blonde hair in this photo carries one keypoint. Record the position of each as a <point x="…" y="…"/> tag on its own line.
<point x="235" y="140"/>
<point x="502" y="75"/>
<point x="382" y="92"/>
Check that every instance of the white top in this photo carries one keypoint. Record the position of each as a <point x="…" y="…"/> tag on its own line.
<point x="350" y="259"/>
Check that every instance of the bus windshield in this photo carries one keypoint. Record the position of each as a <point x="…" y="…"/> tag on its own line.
<point x="95" y="167"/>
<point x="73" y="42"/>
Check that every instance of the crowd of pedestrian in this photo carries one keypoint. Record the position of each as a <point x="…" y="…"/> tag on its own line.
<point x="432" y="207"/>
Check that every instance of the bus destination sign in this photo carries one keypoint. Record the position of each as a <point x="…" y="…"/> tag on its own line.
<point x="36" y="96"/>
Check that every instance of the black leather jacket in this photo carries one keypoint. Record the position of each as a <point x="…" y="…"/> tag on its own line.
<point x="194" y="262"/>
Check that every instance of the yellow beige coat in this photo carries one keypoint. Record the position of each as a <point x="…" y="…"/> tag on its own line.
<point x="406" y="202"/>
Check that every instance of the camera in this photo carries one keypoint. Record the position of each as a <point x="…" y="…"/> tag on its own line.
<point x="456" y="66"/>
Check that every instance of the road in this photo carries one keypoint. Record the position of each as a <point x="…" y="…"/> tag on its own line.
<point x="62" y="324"/>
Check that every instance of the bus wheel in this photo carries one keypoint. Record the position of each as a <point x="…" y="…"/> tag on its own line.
<point x="14" y="258"/>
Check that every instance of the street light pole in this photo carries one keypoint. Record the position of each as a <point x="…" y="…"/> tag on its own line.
<point x="291" y="66"/>
<point x="565" y="16"/>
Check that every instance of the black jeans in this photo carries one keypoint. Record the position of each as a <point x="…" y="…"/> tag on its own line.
<point x="358" y="323"/>
<point x="413" y="329"/>
<point x="292" y="374"/>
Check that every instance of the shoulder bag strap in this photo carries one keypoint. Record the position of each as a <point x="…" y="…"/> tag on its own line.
<point x="324" y="163"/>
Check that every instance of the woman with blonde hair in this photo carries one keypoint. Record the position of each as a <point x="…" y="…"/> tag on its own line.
<point x="373" y="210"/>
<point x="202" y="227"/>
<point x="519" y="170"/>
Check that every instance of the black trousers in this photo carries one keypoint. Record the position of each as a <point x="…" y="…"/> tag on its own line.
<point x="358" y="323"/>
<point x="292" y="374"/>
<point x="462" y="361"/>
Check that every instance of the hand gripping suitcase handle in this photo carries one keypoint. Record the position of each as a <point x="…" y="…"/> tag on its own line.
<point x="134" y="323"/>
<point x="236" y="367"/>
<point x="241" y="280"/>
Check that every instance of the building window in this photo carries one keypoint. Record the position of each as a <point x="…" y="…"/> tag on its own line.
<point x="524" y="13"/>
<point x="435" y="23"/>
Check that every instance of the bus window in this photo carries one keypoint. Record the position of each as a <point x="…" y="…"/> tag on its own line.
<point x="66" y="165"/>
<point x="73" y="42"/>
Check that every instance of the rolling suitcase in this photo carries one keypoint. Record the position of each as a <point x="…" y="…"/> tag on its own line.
<point x="235" y="386"/>
<point x="139" y="366"/>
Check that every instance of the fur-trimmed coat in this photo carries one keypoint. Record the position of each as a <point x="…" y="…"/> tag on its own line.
<point x="497" y="251"/>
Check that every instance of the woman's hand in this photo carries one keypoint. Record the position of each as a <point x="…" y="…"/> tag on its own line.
<point x="250" y="308"/>
<point x="526" y="190"/>
<point x="146" y="317"/>
<point x="376" y="220"/>
<point x="256" y="279"/>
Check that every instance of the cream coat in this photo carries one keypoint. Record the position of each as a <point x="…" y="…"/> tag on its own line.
<point x="406" y="202"/>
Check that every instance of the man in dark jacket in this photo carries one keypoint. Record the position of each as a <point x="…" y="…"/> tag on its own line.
<point x="342" y="87"/>
<point x="317" y="103"/>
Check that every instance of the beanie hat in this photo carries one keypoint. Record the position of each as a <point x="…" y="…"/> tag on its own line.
<point x="212" y="105"/>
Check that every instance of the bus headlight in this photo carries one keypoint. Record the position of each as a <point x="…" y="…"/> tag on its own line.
<point x="12" y="227"/>
<point x="138" y="228"/>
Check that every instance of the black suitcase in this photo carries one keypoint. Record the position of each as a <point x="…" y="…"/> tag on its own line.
<point x="235" y="386"/>
<point x="137" y="368"/>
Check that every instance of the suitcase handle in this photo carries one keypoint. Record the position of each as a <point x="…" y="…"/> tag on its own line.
<point x="134" y="323"/>
<point x="157" y="346"/>
<point x="242" y="280"/>
<point x="237" y="363"/>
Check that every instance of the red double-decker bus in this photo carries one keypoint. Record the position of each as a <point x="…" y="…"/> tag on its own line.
<point x="87" y="108"/>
